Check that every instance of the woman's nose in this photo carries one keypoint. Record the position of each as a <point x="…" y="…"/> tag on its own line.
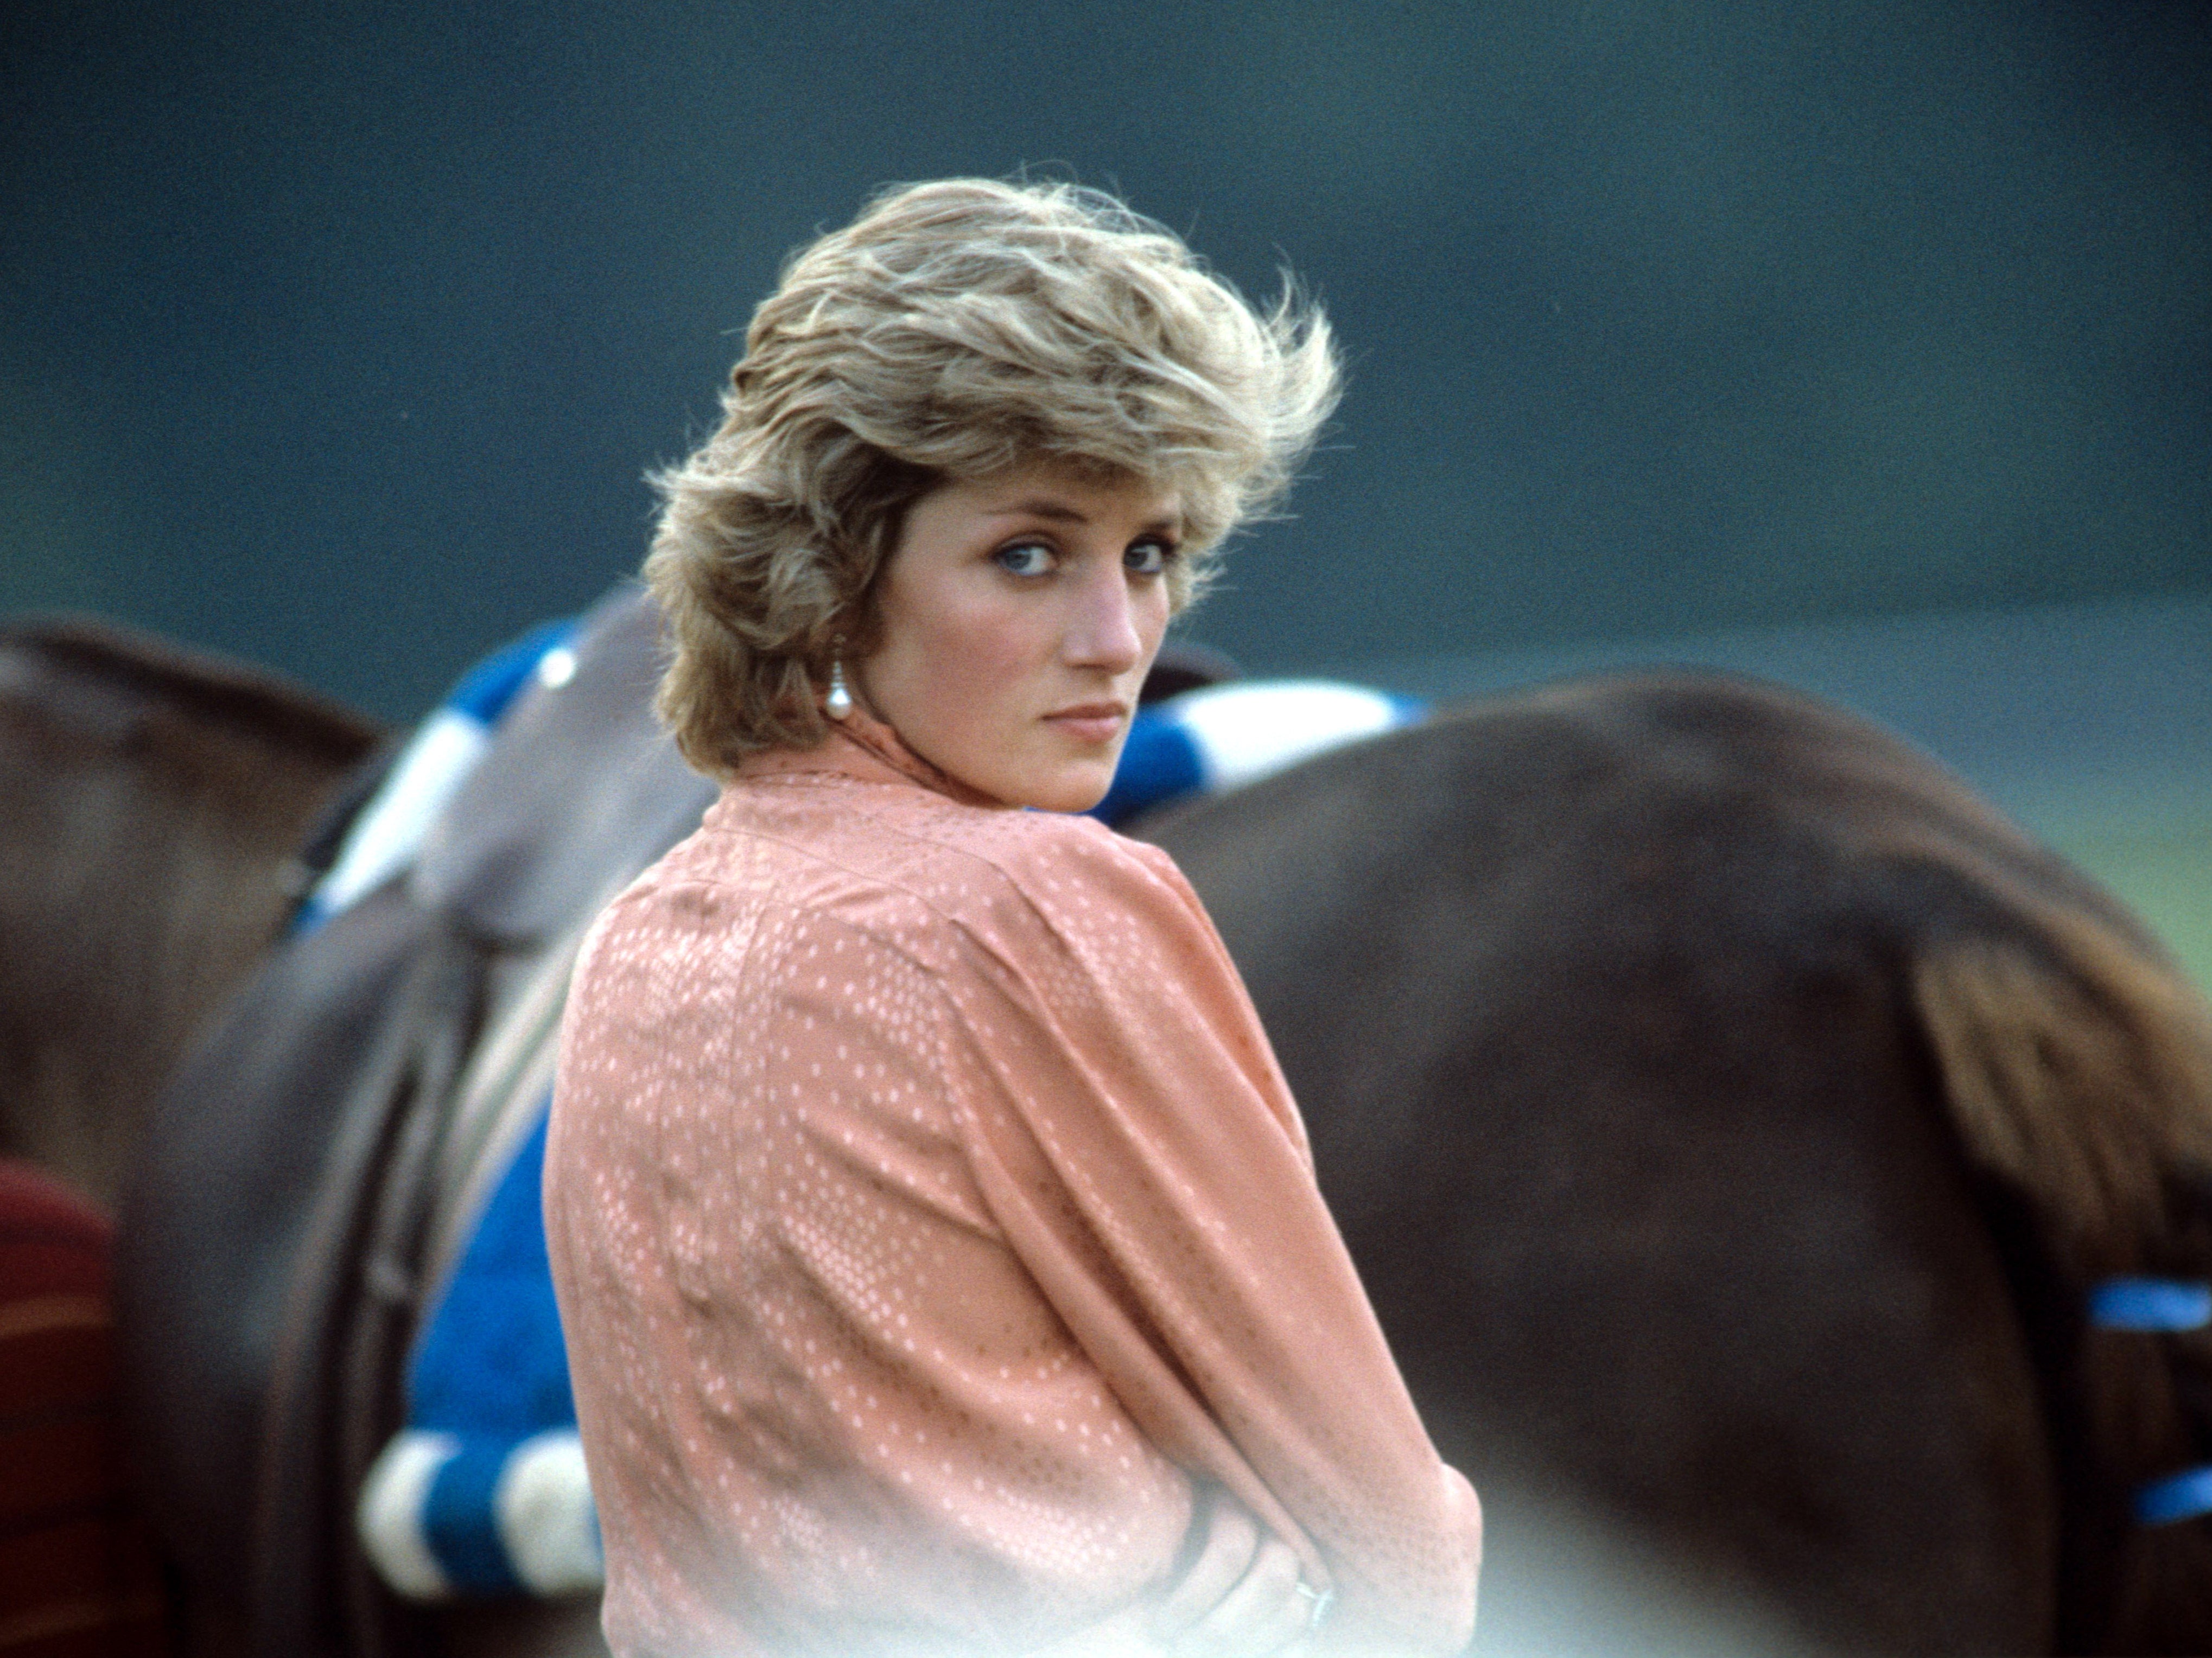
<point x="1103" y="632"/>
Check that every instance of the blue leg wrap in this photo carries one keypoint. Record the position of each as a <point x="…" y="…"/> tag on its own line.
<point x="2185" y="1496"/>
<point x="2150" y="1303"/>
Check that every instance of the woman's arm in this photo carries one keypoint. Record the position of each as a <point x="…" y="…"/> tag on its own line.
<point x="1242" y="1597"/>
<point x="1136" y="1144"/>
<point x="1239" y="1597"/>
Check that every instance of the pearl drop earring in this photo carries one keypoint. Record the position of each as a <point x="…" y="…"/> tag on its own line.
<point x="839" y="702"/>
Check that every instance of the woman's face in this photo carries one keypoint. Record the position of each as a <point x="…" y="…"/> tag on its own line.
<point x="1017" y="617"/>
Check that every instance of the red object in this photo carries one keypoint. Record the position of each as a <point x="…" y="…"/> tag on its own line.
<point x="77" y="1579"/>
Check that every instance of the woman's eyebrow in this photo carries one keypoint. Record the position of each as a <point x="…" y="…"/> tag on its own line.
<point x="1060" y="511"/>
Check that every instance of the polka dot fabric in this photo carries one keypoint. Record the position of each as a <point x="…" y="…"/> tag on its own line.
<point x="929" y="1216"/>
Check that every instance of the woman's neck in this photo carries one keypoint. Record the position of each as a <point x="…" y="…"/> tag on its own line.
<point x="860" y="730"/>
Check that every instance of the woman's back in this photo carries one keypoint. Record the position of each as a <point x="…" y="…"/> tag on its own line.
<point x="928" y="1210"/>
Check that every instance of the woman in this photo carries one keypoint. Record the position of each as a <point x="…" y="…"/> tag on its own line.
<point x="936" y="1243"/>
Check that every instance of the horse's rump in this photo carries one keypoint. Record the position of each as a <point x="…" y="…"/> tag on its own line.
<point x="1613" y="1009"/>
<point x="149" y="800"/>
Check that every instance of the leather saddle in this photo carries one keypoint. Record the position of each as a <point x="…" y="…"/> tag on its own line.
<point x="309" y="1173"/>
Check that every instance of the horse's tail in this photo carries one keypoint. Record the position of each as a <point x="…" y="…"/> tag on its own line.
<point x="2078" y="1065"/>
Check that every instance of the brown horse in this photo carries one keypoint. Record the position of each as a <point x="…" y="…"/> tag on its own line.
<point x="1727" y="1111"/>
<point x="149" y="800"/>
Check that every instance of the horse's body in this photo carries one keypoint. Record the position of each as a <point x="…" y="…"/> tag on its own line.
<point x="1670" y="1051"/>
<point x="149" y="799"/>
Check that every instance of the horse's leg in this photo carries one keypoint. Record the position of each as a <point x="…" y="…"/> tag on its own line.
<point x="2080" y="1069"/>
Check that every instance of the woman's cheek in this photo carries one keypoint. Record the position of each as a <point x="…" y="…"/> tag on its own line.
<point x="998" y="646"/>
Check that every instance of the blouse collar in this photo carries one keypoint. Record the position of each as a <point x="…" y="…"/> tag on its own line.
<point x="860" y="745"/>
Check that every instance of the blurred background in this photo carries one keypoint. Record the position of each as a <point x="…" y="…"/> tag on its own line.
<point x="1866" y="346"/>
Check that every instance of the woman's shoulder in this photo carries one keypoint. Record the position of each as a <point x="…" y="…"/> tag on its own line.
<point x="901" y="865"/>
<point x="1050" y="851"/>
<point x="1056" y="860"/>
<point x="1064" y="900"/>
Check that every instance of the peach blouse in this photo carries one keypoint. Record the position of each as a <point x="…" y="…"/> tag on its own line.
<point x="929" y="1213"/>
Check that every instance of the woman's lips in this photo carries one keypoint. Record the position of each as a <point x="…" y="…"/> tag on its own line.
<point x="1090" y="722"/>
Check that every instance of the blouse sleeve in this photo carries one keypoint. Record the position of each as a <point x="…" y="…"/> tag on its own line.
<point x="1139" y="1148"/>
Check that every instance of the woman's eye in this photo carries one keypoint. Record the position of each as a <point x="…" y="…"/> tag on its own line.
<point x="1025" y="558"/>
<point x="1148" y="558"/>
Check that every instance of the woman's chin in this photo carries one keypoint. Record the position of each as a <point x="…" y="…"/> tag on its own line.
<point x="1044" y="776"/>
<point x="1070" y="788"/>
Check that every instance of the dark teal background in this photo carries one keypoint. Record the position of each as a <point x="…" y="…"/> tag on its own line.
<point x="338" y="336"/>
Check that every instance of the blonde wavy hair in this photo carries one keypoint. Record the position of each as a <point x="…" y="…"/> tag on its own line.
<point x="961" y="329"/>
